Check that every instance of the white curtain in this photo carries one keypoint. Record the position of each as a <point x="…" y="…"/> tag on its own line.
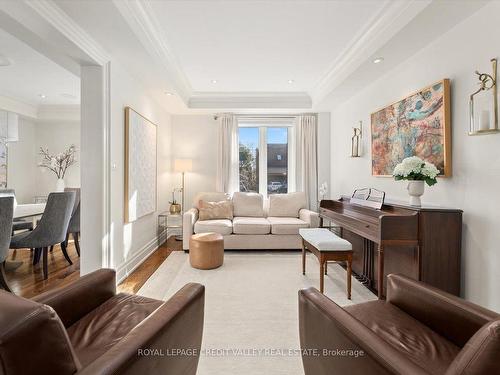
<point x="227" y="154"/>
<point x="306" y="159"/>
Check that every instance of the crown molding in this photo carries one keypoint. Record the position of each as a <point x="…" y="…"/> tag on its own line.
<point x="382" y="26"/>
<point x="19" y="107"/>
<point x="59" y="113"/>
<point x="264" y="100"/>
<point x="145" y="25"/>
<point x="58" y="19"/>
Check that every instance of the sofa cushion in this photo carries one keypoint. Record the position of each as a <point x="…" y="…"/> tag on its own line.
<point x="215" y="210"/>
<point x="413" y="339"/>
<point x="209" y="197"/>
<point x="221" y="226"/>
<point x="102" y="328"/>
<point x="251" y="225"/>
<point x="286" y="205"/>
<point x="248" y="204"/>
<point x="286" y="225"/>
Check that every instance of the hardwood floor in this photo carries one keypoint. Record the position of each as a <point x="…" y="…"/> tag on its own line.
<point x="27" y="280"/>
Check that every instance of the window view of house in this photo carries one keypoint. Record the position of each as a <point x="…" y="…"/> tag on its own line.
<point x="277" y="160"/>
<point x="274" y="161"/>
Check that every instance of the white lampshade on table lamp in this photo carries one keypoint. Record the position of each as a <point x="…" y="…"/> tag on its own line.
<point x="183" y="166"/>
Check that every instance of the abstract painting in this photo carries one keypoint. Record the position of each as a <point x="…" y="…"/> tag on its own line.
<point x="418" y="125"/>
<point x="140" y="166"/>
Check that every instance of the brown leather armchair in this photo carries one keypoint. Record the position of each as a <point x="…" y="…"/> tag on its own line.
<point x="86" y="328"/>
<point x="417" y="330"/>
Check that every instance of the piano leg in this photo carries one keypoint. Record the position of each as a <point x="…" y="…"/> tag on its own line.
<point x="380" y="282"/>
<point x="303" y="258"/>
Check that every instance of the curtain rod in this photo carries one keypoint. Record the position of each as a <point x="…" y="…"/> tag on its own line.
<point x="264" y="116"/>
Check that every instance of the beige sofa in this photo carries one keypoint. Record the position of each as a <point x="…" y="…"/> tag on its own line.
<point x="257" y="224"/>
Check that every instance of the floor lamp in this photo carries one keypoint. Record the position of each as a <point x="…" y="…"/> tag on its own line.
<point x="182" y="166"/>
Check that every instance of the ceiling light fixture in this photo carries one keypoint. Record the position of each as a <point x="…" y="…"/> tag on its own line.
<point x="42" y="96"/>
<point x="290" y="81"/>
<point x="169" y="93"/>
<point x="378" y="60"/>
<point x="4" y="61"/>
<point x="214" y="81"/>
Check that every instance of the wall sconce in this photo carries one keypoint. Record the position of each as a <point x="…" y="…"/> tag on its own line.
<point x="356" y="141"/>
<point x="483" y="104"/>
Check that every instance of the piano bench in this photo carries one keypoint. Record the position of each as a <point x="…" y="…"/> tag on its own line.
<point x="326" y="246"/>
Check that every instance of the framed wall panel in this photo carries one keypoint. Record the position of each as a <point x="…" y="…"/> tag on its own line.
<point x="140" y="165"/>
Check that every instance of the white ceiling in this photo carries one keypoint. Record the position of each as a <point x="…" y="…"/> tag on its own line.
<point x="31" y="74"/>
<point x="253" y="48"/>
<point x="257" y="46"/>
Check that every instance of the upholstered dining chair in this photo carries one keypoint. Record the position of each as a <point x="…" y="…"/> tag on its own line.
<point x="51" y="228"/>
<point x="17" y="224"/>
<point x="74" y="226"/>
<point x="6" y="213"/>
<point x="74" y="223"/>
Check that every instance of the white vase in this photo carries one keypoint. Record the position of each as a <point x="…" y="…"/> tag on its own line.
<point x="60" y="185"/>
<point x="415" y="190"/>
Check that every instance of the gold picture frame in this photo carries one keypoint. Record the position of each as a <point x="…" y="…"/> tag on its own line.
<point x="417" y="125"/>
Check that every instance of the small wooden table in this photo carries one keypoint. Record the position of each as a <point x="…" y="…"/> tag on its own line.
<point x="206" y="250"/>
<point x="326" y="246"/>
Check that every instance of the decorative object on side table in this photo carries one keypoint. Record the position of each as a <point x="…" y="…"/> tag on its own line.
<point x="417" y="172"/>
<point x="418" y="125"/>
<point x="175" y="207"/>
<point x="356" y="141"/>
<point x="483" y="104"/>
<point x="58" y="164"/>
<point x="323" y="190"/>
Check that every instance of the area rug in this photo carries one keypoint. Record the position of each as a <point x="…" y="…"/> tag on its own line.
<point x="251" y="307"/>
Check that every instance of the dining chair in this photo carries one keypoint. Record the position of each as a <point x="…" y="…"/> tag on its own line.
<point x="51" y="228"/>
<point x="73" y="227"/>
<point x="17" y="224"/>
<point x="6" y="214"/>
<point x="74" y="223"/>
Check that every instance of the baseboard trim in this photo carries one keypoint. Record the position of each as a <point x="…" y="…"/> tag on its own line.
<point x="130" y="265"/>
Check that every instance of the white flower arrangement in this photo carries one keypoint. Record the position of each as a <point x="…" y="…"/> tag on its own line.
<point x="416" y="169"/>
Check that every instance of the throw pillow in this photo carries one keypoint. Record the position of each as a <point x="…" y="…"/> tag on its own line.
<point x="215" y="210"/>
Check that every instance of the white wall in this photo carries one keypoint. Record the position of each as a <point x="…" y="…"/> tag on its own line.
<point x="475" y="184"/>
<point x="132" y="242"/>
<point x="22" y="159"/>
<point x="57" y="136"/>
<point x="195" y="137"/>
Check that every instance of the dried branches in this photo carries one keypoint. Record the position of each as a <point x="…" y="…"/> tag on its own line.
<point x="60" y="163"/>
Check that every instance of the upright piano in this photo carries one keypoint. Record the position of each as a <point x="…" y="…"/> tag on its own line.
<point x="423" y="243"/>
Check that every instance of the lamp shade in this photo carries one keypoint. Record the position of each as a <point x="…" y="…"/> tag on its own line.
<point x="183" y="165"/>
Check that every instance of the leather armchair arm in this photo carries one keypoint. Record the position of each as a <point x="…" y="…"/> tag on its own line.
<point x="325" y="326"/>
<point x="167" y="342"/>
<point x="74" y="301"/>
<point x="310" y="217"/>
<point x="448" y="315"/>
<point x="190" y="217"/>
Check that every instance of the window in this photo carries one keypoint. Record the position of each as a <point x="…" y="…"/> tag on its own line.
<point x="265" y="164"/>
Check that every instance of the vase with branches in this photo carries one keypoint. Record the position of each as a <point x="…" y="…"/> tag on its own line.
<point x="58" y="164"/>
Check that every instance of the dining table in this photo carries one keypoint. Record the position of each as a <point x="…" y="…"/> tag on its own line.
<point x="22" y="211"/>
